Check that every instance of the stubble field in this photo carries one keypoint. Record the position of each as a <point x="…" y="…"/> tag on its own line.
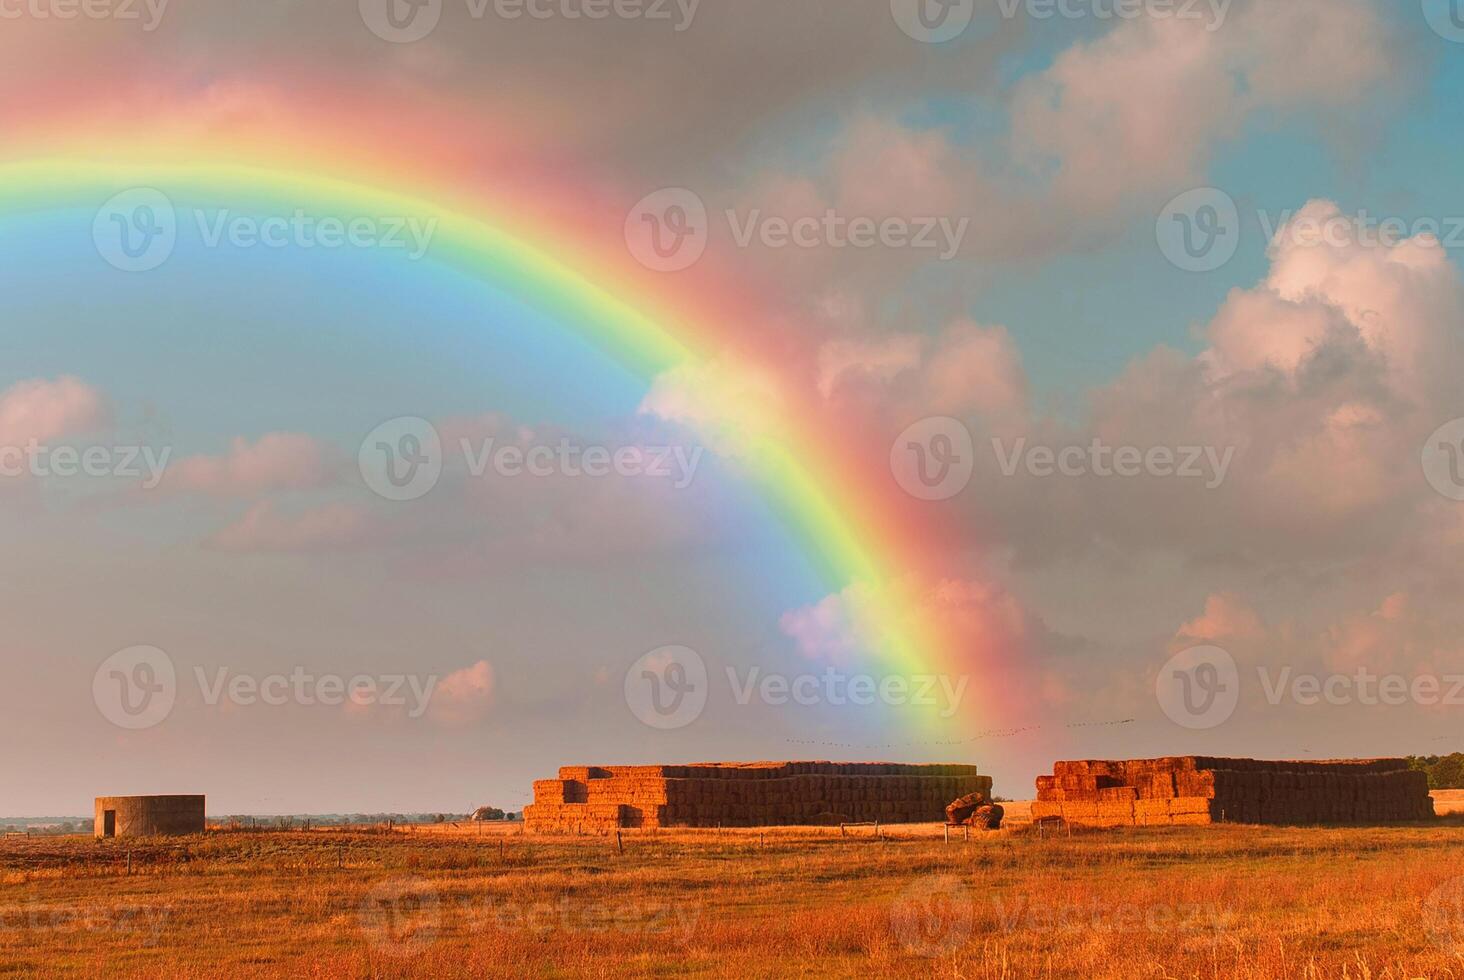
<point x="1229" y="901"/>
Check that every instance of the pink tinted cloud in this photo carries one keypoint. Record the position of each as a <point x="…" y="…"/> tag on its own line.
<point x="1225" y="617"/>
<point x="43" y="410"/>
<point x="263" y="528"/>
<point x="965" y="370"/>
<point x="464" y="696"/>
<point x="276" y="461"/>
<point x="1144" y="106"/>
<point x="986" y="619"/>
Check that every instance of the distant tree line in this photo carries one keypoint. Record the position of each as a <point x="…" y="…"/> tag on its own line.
<point x="1444" y="771"/>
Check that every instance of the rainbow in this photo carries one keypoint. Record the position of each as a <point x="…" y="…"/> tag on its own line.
<point x="856" y="529"/>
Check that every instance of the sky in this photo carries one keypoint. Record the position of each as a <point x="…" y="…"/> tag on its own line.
<point x="1122" y="342"/>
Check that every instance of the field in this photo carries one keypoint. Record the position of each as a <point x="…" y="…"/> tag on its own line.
<point x="1229" y="901"/>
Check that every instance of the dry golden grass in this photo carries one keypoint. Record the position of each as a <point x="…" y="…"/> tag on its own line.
<point x="1231" y="902"/>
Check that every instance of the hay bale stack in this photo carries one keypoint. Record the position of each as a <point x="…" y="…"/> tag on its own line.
<point x="1204" y="790"/>
<point x="591" y="799"/>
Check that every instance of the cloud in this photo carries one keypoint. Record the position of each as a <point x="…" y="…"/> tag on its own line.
<point x="1320" y="383"/>
<point x="616" y="80"/>
<point x="516" y="492"/>
<point x="1225" y="617"/>
<point x="464" y="696"/>
<point x="967" y="369"/>
<point x="1394" y="633"/>
<point x="729" y="404"/>
<point x="828" y="630"/>
<point x="40" y="410"/>
<point x="325" y="528"/>
<point x="982" y="620"/>
<point x="1143" y="107"/>
<point x="277" y="461"/>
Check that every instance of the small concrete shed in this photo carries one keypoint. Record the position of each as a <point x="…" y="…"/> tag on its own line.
<point x="148" y="816"/>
